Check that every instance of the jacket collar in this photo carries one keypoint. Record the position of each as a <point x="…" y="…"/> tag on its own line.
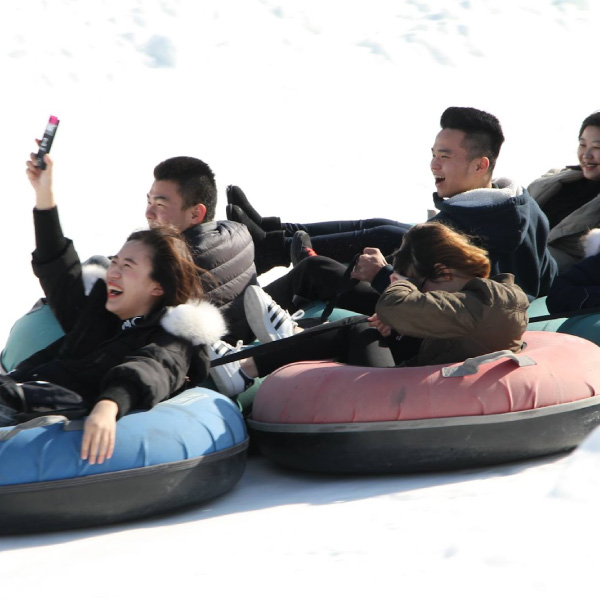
<point x="197" y="322"/>
<point x="502" y="189"/>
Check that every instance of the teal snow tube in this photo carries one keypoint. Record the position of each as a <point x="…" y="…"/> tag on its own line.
<point x="34" y="331"/>
<point x="586" y="326"/>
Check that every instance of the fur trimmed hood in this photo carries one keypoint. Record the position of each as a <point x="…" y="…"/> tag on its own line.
<point x="503" y="189"/>
<point x="198" y="322"/>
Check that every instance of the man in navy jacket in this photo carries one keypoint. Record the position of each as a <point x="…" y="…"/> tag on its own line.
<point x="502" y="216"/>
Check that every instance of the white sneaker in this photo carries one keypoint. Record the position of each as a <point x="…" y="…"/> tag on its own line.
<point x="228" y="378"/>
<point x="268" y="320"/>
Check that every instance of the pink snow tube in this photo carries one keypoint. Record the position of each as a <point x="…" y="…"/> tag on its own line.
<point x="443" y="416"/>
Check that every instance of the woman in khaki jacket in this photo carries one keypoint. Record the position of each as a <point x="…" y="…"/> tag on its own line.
<point x="441" y="307"/>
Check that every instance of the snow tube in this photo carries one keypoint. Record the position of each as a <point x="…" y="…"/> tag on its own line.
<point x="37" y="328"/>
<point x="312" y="312"/>
<point x="586" y="326"/>
<point x="334" y="418"/>
<point x="182" y="452"/>
<point x="33" y="331"/>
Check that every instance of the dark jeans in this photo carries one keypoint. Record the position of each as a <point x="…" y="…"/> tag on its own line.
<point x="342" y="240"/>
<point x="347" y="341"/>
<point x="319" y="278"/>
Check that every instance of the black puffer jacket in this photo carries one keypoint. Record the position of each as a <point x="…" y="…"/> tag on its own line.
<point x="136" y="363"/>
<point x="226" y="250"/>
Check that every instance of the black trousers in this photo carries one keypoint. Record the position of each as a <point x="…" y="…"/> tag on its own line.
<point x="319" y="278"/>
<point x="351" y="341"/>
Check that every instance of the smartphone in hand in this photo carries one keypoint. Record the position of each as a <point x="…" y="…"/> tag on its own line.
<point x="46" y="142"/>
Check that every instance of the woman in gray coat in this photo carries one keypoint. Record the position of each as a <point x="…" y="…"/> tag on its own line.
<point x="570" y="197"/>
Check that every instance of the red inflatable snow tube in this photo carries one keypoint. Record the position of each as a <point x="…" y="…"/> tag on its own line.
<point x="328" y="417"/>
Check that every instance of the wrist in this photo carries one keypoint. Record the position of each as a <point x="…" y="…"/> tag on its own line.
<point x="45" y="201"/>
<point x="107" y="407"/>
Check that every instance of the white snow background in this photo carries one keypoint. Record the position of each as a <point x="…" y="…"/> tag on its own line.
<point x="319" y="110"/>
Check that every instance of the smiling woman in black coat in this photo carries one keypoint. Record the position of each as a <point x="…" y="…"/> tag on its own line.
<point x="134" y="337"/>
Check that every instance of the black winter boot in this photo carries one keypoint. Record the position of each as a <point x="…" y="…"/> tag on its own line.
<point x="238" y="198"/>
<point x="271" y="248"/>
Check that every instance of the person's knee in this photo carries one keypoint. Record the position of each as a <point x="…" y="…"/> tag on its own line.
<point x="314" y="265"/>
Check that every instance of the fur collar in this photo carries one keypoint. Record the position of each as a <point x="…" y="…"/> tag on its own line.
<point x="503" y="189"/>
<point x="591" y="242"/>
<point x="91" y="272"/>
<point x="198" y="322"/>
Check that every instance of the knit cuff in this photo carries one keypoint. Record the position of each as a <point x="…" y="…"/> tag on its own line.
<point x="382" y="279"/>
<point x="123" y="394"/>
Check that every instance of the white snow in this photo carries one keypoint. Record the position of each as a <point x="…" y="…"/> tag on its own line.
<point x="318" y="109"/>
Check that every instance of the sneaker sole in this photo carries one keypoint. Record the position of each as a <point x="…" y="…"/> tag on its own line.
<point x="222" y="378"/>
<point x="223" y="384"/>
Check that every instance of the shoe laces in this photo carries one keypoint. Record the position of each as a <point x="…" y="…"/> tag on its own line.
<point x="239" y="345"/>
<point x="299" y="314"/>
<point x="222" y="348"/>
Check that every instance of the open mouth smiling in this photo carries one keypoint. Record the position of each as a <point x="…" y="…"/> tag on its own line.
<point x="114" y="291"/>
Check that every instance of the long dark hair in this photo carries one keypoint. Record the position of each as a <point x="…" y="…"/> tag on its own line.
<point x="172" y="265"/>
<point x="427" y="244"/>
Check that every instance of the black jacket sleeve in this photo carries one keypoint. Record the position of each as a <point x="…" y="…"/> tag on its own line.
<point x="150" y="375"/>
<point x="56" y="264"/>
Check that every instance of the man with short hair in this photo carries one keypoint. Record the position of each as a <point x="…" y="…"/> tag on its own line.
<point x="184" y="195"/>
<point x="502" y="215"/>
